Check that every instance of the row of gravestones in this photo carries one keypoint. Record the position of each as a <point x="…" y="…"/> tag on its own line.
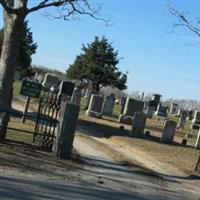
<point x="170" y="127"/>
<point x="65" y="89"/>
<point x="98" y="106"/>
<point x="138" y="126"/>
<point x="129" y="108"/>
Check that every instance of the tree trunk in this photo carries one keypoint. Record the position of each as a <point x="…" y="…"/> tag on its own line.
<point x="13" y="30"/>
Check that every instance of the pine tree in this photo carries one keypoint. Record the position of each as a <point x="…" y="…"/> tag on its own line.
<point x="98" y="65"/>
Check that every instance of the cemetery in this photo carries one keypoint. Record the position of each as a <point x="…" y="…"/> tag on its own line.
<point x="99" y="122"/>
<point x="155" y="145"/>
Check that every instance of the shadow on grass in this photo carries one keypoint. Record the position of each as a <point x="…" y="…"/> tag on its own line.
<point x="99" y="130"/>
<point x="102" y="130"/>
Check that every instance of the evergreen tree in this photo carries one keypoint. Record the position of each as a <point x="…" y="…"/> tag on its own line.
<point x="98" y="65"/>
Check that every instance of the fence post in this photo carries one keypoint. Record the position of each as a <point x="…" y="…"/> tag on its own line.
<point x="25" y="109"/>
<point x="69" y="113"/>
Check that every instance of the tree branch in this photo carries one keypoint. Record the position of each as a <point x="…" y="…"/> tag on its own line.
<point x="67" y="9"/>
<point x="46" y="4"/>
<point x="7" y="8"/>
<point x="183" y="21"/>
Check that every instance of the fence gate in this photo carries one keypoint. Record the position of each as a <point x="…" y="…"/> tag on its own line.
<point x="46" y="121"/>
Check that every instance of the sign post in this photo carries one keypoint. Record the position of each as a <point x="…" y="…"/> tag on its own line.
<point x="29" y="89"/>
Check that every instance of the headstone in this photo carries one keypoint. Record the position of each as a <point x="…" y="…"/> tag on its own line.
<point x="131" y="107"/>
<point x="138" y="125"/>
<point x="190" y="114"/>
<point x="65" y="132"/>
<point x="146" y="104"/>
<point x="76" y="97"/>
<point x="123" y="102"/>
<point x="149" y="112"/>
<point x="95" y="106"/>
<point x="173" y="108"/>
<point x="182" y="120"/>
<point x="197" y="145"/>
<point x="83" y="91"/>
<point x="51" y="82"/>
<point x="109" y="104"/>
<point x="168" y="131"/>
<point x="179" y="112"/>
<point x="39" y="77"/>
<point x="196" y="120"/>
<point x="161" y="111"/>
<point x="66" y="90"/>
<point x="150" y="109"/>
<point x="156" y="100"/>
<point x="87" y="93"/>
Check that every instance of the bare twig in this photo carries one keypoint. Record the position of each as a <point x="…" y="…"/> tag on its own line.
<point x="183" y="20"/>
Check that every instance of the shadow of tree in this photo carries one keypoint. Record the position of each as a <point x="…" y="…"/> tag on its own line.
<point x="103" y="130"/>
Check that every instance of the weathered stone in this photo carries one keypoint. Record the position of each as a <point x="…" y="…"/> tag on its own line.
<point x="196" y="120"/>
<point x="197" y="145"/>
<point x="132" y="106"/>
<point x="168" y="131"/>
<point x="161" y="111"/>
<point x="179" y="112"/>
<point x="138" y="125"/>
<point x="39" y="77"/>
<point x="66" y="88"/>
<point x="156" y="100"/>
<point x="182" y="120"/>
<point x="65" y="132"/>
<point x="173" y="108"/>
<point x="87" y="93"/>
<point x="123" y="102"/>
<point x="190" y="114"/>
<point x="51" y="82"/>
<point x="150" y="111"/>
<point x="109" y="104"/>
<point x="95" y="106"/>
<point x="76" y="97"/>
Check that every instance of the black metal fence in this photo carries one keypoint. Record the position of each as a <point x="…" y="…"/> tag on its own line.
<point x="45" y="120"/>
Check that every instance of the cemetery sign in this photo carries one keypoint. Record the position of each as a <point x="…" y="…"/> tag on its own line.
<point x="31" y="89"/>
